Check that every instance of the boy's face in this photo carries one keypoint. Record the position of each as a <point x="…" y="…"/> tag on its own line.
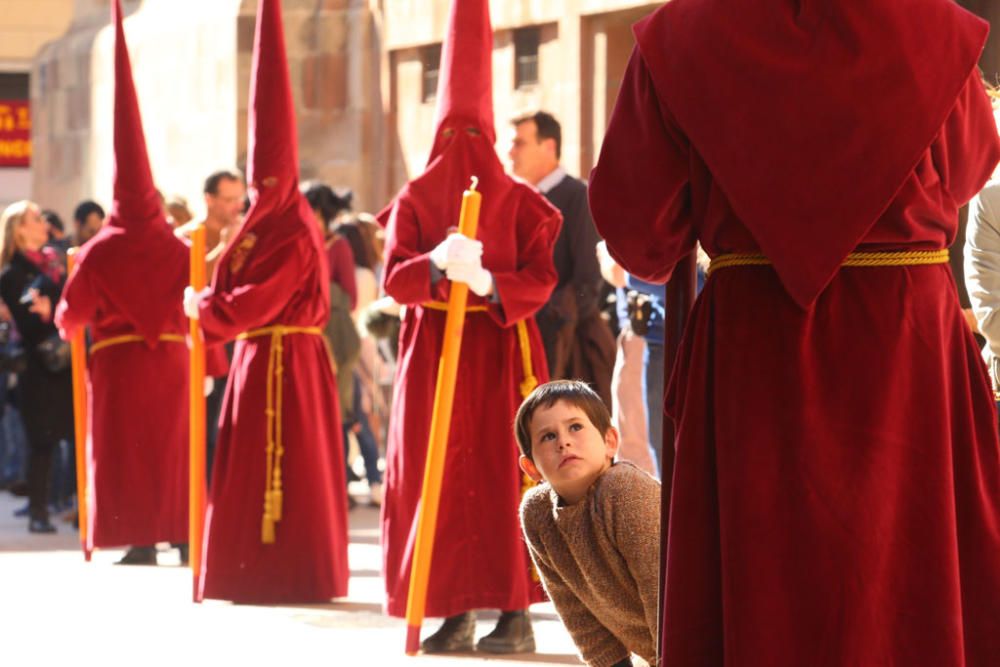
<point x="568" y="450"/>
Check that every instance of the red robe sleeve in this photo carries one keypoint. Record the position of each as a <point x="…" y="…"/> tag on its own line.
<point x="258" y="294"/>
<point x="968" y="147"/>
<point x="521" y="292"/>
<point x="78" y="306"/>
<point x="640" y="189"/>
<point x="407" y="277"/>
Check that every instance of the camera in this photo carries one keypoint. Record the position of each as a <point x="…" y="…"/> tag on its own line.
<point x="640" y="310"/>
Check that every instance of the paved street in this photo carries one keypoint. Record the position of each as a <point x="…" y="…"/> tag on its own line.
<point x="55" y="609"/>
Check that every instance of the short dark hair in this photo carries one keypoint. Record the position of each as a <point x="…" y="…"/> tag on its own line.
<point x="53" y="220"/>
<point x="548" y="127"/>
<point x="212" y="182"/>
<point x="323" y="198"/>
<point x="85" y="208"/>
<point x="576" y="393"/>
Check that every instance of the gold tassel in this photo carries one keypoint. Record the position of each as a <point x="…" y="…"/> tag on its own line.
<point x="267" y="530"/>
<point x="276" y="503"/>
<point x="524" y="342"/>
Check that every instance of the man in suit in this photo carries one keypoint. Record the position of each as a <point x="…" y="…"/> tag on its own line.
<point x="578" y="343"/>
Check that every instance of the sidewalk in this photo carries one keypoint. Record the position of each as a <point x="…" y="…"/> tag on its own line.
<point x="55" y="609"/>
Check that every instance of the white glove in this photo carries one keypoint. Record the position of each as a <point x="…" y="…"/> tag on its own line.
<point x="456" y="249"/>
<point x="209" y="384"/>
<point x="192" y="299"/>
<point x="472" y="274"/>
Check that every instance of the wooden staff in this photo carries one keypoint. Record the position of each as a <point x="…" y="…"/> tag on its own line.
<point x="444" y="395"/>
<point x="680" y="298"/>
<point x="78" y="352"/>
<point x="196" y="410"/>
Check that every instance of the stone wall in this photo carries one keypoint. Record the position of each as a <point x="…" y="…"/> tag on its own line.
<point x="191" y="64"/>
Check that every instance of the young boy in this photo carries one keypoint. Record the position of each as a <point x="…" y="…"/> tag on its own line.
<point x="593" y="527"/>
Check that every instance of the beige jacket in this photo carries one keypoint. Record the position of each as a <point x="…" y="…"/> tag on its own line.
<point x="982" y="271"/>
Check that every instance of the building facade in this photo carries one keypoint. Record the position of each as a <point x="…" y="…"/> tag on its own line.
<point x="364" y="76"/>
<point x="25" y="25"/>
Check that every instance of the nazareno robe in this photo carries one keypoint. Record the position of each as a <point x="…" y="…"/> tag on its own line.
<point x="128" y="281"/>
<point x="137" y="445"/>
<point x="479" y="559"/>
<point x="836" y="488"/>
<point x="280" y="279"/>
<point x="274" y="274"/>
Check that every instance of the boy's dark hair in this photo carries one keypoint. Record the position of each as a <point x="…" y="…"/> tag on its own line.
<point x="212" y="182"/>
<point x="576" y="393"/>
<point x="84" y="209"/>
<point x="547" y="125"/>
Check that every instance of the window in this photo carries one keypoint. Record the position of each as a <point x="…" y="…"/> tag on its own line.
<point x="526" y="41"/>
<point x="13" y="86"/>
<point x="430" y="58"/>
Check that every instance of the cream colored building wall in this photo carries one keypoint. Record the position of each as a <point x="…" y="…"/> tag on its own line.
<point x="183" y="56"/>
<point x="25" y="25"/>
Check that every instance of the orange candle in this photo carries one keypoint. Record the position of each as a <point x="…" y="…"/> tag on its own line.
<point x="197" y="483"/>
<point x="444" y="396"/>
<point x="78" y="352"/>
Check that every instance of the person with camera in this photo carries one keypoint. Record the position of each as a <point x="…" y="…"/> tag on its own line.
<point x="31" y="281"/>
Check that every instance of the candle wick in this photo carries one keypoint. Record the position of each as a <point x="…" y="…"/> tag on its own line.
<point x="475" y="184"/>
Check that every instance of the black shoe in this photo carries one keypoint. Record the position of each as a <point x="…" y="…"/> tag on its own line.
<point x="513" y="634"/>
<point x="138" y="556"/>
<point x="455" y="635"/>
<point x="19" y="489"/>
<point x="40" y="526"/>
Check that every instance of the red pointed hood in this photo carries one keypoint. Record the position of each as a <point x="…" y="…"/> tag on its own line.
<point x="464" y="147"/>
<point x="825" y="106"/>
<point x="464" y="134"/>
<point x="141" y="266"/>
<point x="272" y="153"/>
<point x="465" y="83"/>
<point x="277" y="210"/>
<point x="135" y="199"/>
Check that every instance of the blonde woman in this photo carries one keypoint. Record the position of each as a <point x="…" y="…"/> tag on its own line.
<point x="31" y="281"/>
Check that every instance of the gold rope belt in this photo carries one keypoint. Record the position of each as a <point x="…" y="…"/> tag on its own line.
<point x="527" y="385"/>
<point x="904" y="258"/>
<point x="133" y="338"/>
<point x="530" y="381"/>
<point x="273" y="492"/>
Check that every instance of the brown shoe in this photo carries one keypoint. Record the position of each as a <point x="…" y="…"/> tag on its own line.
<point x="455" y="635"/>
<point x="513" y="634"/>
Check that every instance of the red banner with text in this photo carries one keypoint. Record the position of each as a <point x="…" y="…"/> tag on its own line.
<point x="15" y="133"/>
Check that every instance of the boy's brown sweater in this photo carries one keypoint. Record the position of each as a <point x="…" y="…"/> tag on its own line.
<point x="599" y="561"/>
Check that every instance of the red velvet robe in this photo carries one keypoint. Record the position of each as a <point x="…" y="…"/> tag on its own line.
<point x="137" y="445"/>
<point x="836" y="489"/>
<point x="479" y="560"/>
<point x="278" y="278"/>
